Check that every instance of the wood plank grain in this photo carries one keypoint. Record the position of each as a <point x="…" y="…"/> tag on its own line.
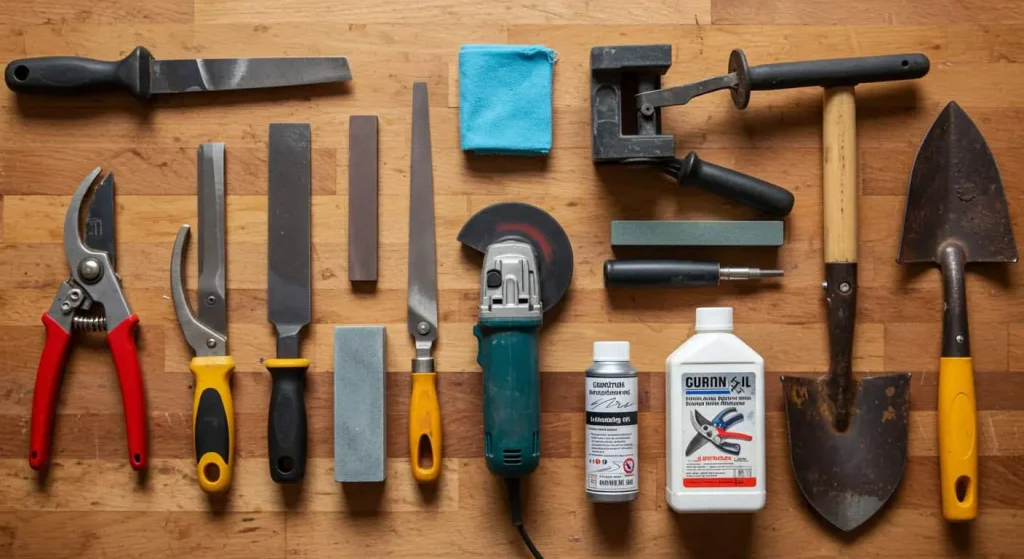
<point x="440" y="11"/>
<point x="168" y="534"/>
<point x="92" y="505"/>
<point x="907" y="12"/>
<point x="27" y="12"/>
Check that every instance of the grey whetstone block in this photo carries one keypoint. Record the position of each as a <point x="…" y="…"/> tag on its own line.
<point x="360" y="449"/>
<point x="362" y="198"/>
<point x="697" y="233"/>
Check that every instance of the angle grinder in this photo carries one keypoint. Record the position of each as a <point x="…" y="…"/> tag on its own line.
<point x="527" y="267"/>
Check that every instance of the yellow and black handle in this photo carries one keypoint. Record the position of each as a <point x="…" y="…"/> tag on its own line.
<point x="425" y="428"/>
<point x="958" y="422"/>
<point x="286" y="429"/>
<point x="213" y="422"/>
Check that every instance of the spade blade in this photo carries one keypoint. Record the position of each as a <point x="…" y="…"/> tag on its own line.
<point x="848" y="476"/>
<point x="956" y="194"/>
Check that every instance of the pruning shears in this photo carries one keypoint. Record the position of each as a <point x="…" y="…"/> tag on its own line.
<point x="717" y="431"/>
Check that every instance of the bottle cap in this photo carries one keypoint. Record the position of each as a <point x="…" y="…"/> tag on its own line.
<point x="611" y="351"/>
<point x="710" y="319"/>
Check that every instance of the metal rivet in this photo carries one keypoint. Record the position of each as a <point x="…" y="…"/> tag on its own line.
<point x="647" y="109"/>
<point x="844" y="287"/>
<point x="211" y="343"/>
<point x="65" y="306"/>
<point x="824" y="285"/>
<point x="90" y="270"/>
<point x="959" y="338"/>
<point x="75" y="295"/>
<point x="211" y="300"/>
<point x="423" y="328"/>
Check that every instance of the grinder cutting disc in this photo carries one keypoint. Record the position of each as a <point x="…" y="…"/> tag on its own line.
<point x="523" y="222"/>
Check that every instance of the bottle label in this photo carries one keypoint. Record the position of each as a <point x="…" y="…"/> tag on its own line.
<point x="719" y="427"/>
<point x="611" y="408"/>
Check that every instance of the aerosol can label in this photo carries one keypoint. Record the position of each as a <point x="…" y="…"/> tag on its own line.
<point x="611" y="407"/>
<point x="719" y="428"/>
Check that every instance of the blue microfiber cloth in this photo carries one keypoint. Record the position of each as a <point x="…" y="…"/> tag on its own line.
<point x="505" y="99"/>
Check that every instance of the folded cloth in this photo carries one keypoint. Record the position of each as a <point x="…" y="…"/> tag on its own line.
<point x="505" y="99"/>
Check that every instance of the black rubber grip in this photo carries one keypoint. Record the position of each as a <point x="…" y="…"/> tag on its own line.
<point x="838" y="71"/>
<point x="660" y="273"/>
<point x="72" y="74"/>
<point x="211" y="427"/>
<point x="286" y="429"/>
<point x="763" y="196"/>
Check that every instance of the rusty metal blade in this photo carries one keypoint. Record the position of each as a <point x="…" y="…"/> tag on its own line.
<point x="848" y="476"/>
<point x="956" y="195"/>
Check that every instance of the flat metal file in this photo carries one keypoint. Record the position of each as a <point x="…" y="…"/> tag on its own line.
<point x="360" y="404"/>
<point x="421" y="318"/>
<point x="288" y="296"/>
<point x="144" y="76"/>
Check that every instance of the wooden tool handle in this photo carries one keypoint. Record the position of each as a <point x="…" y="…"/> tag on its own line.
<point x="839" y="143"/>
<point x="958" y="441"/>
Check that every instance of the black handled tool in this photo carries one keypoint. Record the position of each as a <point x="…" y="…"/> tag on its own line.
<point x="676" y="273"/>
<point x="144" y="76"/>
<point x="743" y="78"/>
<point x="288" y="297"/>
<point x="750" y="191"/>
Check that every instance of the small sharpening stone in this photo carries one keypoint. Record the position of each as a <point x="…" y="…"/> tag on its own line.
<point x="362" y="198"/>
<point x="360" y="446"/>
<point x="695" y="233"/>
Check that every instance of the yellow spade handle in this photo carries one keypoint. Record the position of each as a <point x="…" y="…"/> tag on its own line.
<point x="958" y="441"/>
<point x="424" y="427"/>
<point x="213" y="422"/>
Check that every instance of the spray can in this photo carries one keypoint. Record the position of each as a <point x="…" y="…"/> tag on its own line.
<point x="715" y="420"/>
<point x="612" y="431"/>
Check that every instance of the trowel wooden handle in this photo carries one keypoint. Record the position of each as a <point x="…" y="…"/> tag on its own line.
<point x="839" y="162"/>
<point x="958" y="441"/>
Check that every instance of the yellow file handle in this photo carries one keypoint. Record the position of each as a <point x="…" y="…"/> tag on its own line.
<point x="425" y="428"/>
<point x="213" y="422"/>
<point x="958" y="441"/>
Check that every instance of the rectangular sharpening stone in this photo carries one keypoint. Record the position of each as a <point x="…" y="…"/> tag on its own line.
<point x="694" y="233"/>
<point x="360" y="446"/>
<point x="362" y="198"/>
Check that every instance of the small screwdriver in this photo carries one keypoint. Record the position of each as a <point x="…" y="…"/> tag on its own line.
<point x="676" y="273"/>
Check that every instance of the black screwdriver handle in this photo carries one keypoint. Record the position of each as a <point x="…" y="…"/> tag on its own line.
<point x="822" y="73"/>
<point x="734" y="185"/>
<point x="72" y="74"/>
<point x="286" y="428"/>
<point x="660" y="273"/>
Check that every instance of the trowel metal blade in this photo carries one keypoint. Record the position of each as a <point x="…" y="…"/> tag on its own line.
<point x="956" y="194"/>
<point x="848" y="476"/>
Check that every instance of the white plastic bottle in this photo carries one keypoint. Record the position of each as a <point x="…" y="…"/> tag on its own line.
<point x="714" y="387"/>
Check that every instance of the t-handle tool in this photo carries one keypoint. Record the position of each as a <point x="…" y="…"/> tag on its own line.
<point x="424" y="411"/>
<point x="743" y="78"/>
<point x="93" y="280"/>
<point x="213" y="418"/>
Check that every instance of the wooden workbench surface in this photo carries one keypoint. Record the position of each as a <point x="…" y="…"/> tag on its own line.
<point x="92" y="505"/>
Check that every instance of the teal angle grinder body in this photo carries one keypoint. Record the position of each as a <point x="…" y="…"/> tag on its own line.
<point x="527" y="267"/>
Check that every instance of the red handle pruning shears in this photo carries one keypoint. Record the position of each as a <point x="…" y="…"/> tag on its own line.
<point x="93" y="280"/>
